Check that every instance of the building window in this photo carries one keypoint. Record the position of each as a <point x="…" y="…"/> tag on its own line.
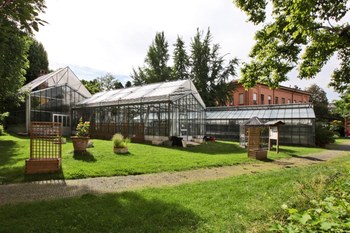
<point x="262" y="99"/>
<point x="288" y="101"/>
<point x="283" y="100"/>
<point x="241" y="98"/>
<point x="294" y="101"/>
<point x="254" y="98"/>
<point x="276" y="100"/>
<point x="269" y="99"/>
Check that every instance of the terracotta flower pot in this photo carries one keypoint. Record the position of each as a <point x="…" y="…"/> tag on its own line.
<point x="80" y="143"/>
<point x="120" y="150"/>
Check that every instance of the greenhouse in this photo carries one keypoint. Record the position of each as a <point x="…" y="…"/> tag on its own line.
<point x="151" y="112"/>
<point x="52" y="96"/>
<point x="299" y="119"/>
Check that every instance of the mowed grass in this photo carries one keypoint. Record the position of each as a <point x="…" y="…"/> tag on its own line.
<point x="143" y="158"/>
<point x="244" y="203"/>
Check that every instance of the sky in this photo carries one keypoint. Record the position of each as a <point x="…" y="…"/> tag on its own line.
<point x="113" y="36"/>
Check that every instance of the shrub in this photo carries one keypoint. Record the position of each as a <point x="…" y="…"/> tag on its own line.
<point x="2" y="131"/>
<point x="323" y="135"/>
<point x="119" y="141"/>
<point x="329" y="214"/>
<point x="83" y="128"/>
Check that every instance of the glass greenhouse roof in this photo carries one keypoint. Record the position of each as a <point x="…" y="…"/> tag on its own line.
<point x="288" y="111"/>
<point x="157" y="92"/>
<point x="60" y="77"/>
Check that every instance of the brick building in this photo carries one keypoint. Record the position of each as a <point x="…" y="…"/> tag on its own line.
<point x="261" y="95"/>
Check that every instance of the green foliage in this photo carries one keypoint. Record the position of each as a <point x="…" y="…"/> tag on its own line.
<point x="119" y="141"/>
<point x="181" y="66"/>
<point x="209" y="72"/>
<point x="93" y="86"/>
<point x="38" y="61"/>
<point x="18" y="20"/>
<point x="128" y="84"/>
<point x="3" y="116"/>
<point x="83" y="128"/>
<point x="323" y="135"/>
<point x="329" y="214"/>
<point x="343" y="105"/>
<point x="319" y="100"/>
<point x="109" y="82"/>
<point x="337" y="127"/>
<point x="2" y="130"/>
<point x="301" y="33"/>
<point x="156" y="63"/>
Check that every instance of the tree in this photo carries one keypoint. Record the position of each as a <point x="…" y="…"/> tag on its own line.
<point x="156" y="69"/>
<point x="180" y="69"/>
<point x="301" y="33"/>
<point x="343" y="105"/>
<point x="128" y="84"/>
<point x="319" y="99"/>
<point x="93" y="86"/>
<point x="38" y="61"/>
<point x="118" y="85"/>
<point x="209" y="72"/>
<point x="18" y="20"/>
<point x="109" y="82"/>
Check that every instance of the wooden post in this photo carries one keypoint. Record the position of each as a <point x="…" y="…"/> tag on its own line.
<point x="278" y="139"/>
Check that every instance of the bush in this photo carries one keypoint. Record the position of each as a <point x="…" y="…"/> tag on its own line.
<point x="119" y="141"/>
<point x="83" y="128"/>
<point x="329" y="214"/>
<point x="323" y="135"/>
<point x="2" y="131"/>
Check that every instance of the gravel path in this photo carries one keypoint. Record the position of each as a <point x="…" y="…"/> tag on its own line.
<point x="44" y="190"/>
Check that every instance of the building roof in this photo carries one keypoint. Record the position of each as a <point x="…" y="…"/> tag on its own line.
<point x="60" y="77"/>
<point x="156" y="92"/>
<point x="266" y="112"/>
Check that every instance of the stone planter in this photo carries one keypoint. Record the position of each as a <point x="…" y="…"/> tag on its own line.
<point x="80" y="143"/>
<point x="120" y="150"/>
<point x="258" y="154"/>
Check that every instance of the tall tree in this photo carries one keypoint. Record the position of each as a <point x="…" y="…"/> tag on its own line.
<point x="301" y="33"/>
<point x="156" y="61"/>
<point x="128" y="84"/>
<point x="38" y="61"/>
<point x="181" y="66"/>
<point x="109" y="82"/>
<point x="209" y="71"/>
<point x="18" y="20"/>
<point x="319" y="99"/>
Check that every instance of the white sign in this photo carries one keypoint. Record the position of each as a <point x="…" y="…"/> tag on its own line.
<point x="273" y="134"/>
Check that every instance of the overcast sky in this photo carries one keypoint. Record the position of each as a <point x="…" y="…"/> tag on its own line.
<point x="96" y="37"/>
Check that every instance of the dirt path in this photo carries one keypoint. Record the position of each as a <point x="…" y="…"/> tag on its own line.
<point x="43" y="190"/>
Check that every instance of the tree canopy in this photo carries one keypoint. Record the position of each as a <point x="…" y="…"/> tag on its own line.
<point x="319" y="99"/>
<point x="303" y="34"/>
<point x="38" y="61"/>
<point x="156" y="67"/>
<point x="17" y="22"/>
<point x="205" y="66"/>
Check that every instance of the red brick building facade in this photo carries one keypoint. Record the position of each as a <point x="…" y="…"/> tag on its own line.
<point x="262" y="94"/>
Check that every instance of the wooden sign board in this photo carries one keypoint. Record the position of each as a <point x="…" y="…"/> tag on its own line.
<point x="273" y="134"/>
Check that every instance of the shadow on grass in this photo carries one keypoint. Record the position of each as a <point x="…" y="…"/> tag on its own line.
<point x="210" y="148"/>
<point x="84" y="156"/>
<point x="125" y="212"/>
<point x="8" y="150"/>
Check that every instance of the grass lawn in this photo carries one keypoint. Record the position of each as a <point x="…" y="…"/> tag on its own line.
<point x="237" y="204"/>
<point x="101" y="161"/>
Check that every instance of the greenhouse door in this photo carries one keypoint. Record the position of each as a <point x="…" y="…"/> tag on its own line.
<point x="183" y="126"/>
<point x="65" y="120"/>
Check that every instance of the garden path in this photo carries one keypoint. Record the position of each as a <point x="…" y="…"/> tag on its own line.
<point x="54" y="189"/>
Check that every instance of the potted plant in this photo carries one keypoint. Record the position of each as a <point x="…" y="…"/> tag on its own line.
<point x="81" y="139"/>
<point x="120" y="144"/>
